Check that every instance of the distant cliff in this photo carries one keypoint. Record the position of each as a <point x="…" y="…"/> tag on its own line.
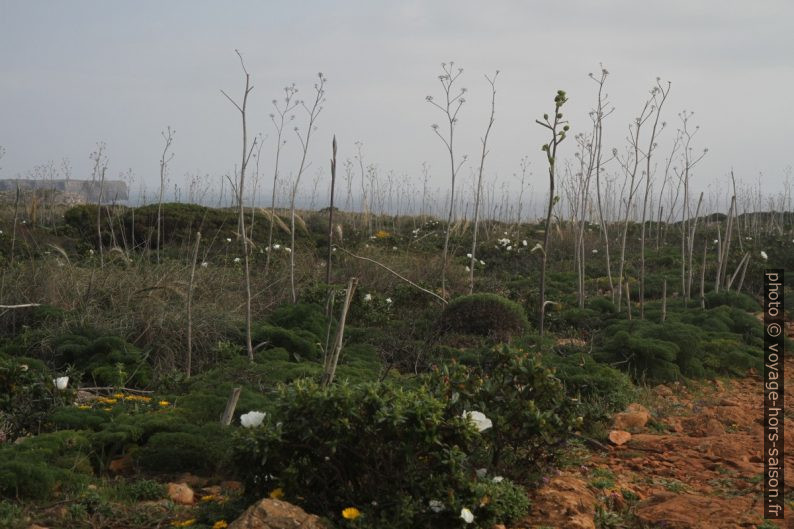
<point x="112" y="190"/>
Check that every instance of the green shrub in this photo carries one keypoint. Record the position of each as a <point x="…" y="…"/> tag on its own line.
<point x="532" y="417"/>
<point x="485" y="315"/>
<point x="11" y="516"/>
<point x="142" y="490"/>
<point x="642" y="357"/>
<point x="301" y="344"/>
<point x="200" y="449"/>
<point x="506" y="502"/>
<point x="301" y="316"/>
<point x="733" y="299"/>
<point x="601" y="389"/>
<point x="35" y="467"/>
<point x="109" y="360"/>
<point x="376" y="447"/>
<point x="27" y="396"/>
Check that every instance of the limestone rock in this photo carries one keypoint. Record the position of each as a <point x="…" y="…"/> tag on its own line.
<point x="276" y="514"/>
<point x="181" y="493"/>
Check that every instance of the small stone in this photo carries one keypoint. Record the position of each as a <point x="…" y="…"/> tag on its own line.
<point x="619" y="437"/>
<point x="181" y="493"/>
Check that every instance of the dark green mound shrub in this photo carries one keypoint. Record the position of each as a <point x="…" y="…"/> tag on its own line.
<point x="108" y="360"/>
<point x="301" y="316"/>
<point x="485" y="315"/>
<point x="733" y="299"/>
<point x="382" y="449"/>
<point x="602" y="305"/>
<point x="602" y="390"/>
<point x="35" y="467"/>
<point x="199" y="449"/>
<point x="301" y="344"/>
<point x="640" y="356"/>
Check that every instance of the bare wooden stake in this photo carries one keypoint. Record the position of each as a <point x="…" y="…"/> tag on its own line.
<point x="664" y="300"/>
<point x="332" y="359"/>
<point x="231" y="405"/>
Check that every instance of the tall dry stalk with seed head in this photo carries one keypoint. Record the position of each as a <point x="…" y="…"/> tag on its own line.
<point x="450" y="106"/>
<point x="313" y="112"/>
<point x="473" y="259"/>
<point x="246" y="156"/>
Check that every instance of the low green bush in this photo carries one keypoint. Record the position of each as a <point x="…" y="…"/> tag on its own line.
<point x="108" y="360"/>
<point x="532" y="417"/>
<point x="733" y="299"/>
<point x="198" y="449"/>
<point x="602" y="390"/>
<point x="384" y="450"/>
<point x="37" y="466"/>
<point x="485" y="315"/>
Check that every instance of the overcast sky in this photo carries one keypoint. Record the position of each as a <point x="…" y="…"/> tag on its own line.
<point x="77" y="72"/>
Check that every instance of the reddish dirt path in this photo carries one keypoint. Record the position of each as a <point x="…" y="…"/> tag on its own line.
<point x="696" y="465"/>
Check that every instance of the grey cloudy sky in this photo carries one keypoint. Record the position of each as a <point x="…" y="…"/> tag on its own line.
<point x="80" y="71"/>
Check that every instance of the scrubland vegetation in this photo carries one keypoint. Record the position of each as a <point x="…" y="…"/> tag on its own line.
<point x="412" y="371"/>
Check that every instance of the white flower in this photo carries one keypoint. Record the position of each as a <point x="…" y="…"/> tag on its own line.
<point x="468" y="269"/>
<point x="205" y="264"/>
<point x="482" y="262"/>
<point x="748" y="238"/>
<point x="276" y="246"/>
<point x="467" y="515"/>
<point x="393" y="247"/>
<point x="479" y="419"/>
<point x="252" y="419"/>
<point x="764" y="256"/>
<point x="288" y="249"/>
<point x="481" y="472"/>
<point x="435" y="505"/>
<point x="91" y="252"/>
<point x="228" y="239"/>
<point x="509" y="248"/>
<point x="61" y="383"/>
<point x="23" y="367"/>
<point x="368" y="297"/>
<point x="468" y="255"/>
<point x="716" y="241"/>
<point x="388" y="300"/>
<point x="524" y="242"/>
<point x="497" y="479"/>
<point x="236" y="259"/>
<point x="595" y="251"/>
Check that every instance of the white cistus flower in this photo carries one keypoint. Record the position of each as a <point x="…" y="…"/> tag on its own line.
<point x="368" y="297"/>
<point x="236" y="259"/>
<point x="595" y="251"/>
<point x="61" y="383"/>
<point x="467" y="515"/>
<point x="205" y="264"/>
<point x="764" y="256"/>
<point x="276" y="246"/>
<point x="435" y="505"/>
<point x="479" y="419"/>
<point x="252" y="419"/>
<point x="497" y="479"/>
<point x="481" y="472"/>
<point x="388" y="300"/>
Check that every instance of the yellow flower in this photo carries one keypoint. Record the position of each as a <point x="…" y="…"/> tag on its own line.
<point x="382" y="234"/>
<point x="351" y="513"/>
<point x="183" y="523"/>
<point x="220" y="524"/>
<point x="118" y="395"/>
<point x="164" y="403"/>
<point x="83" y="407"/>
<point x="276" y="494"/>
<point x="108" y="409"/>
<point x="208" y="497"/>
